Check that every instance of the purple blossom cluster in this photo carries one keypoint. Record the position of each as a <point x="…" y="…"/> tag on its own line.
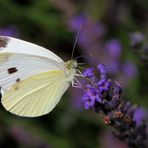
<point x="104" y="95"/>
<point x="94" y="90"/>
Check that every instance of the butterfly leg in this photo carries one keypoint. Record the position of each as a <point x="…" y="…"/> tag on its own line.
<point x="76" y="83"/>
<point x="80" y="73"/>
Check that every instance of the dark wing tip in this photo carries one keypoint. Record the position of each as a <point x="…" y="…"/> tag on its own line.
<point x="3" y="41"/>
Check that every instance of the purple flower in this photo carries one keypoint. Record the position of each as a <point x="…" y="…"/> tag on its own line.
<point x="88" y="72"/>
<point x="130" y="69"/>
<point x="113" y="66"/>
<point x="102" y="70"/>
<point x="86" y="22"/>
<point x="101" y="82"/>
<point x="95" y="88"/>
<point x="9" y="31"/>
<point x="91" y="31"/>
<point x="139" y="115"/>
<point x="89" y="97"/>
<point x="136" y="38"/>
<point x="105" y="96"/>
<point x="114" y="48"/>
<point x="89" y="103"/>
<point x="77" y="21"/>
<point x="107" y="85"/>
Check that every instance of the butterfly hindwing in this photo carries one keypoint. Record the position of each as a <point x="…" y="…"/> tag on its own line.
<point x="36" y="95"/>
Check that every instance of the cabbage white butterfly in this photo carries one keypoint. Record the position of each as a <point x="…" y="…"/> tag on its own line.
<point x="32" y="78"/>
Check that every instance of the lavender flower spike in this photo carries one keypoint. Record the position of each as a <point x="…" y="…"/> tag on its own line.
<point x="104" y="95"/>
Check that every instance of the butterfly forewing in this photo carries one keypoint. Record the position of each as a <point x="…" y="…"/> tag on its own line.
<point x="16" y="67"/>
<point x="13" y="45"/>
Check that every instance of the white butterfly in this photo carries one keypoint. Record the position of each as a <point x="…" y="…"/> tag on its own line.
<point x="32" y="78"/>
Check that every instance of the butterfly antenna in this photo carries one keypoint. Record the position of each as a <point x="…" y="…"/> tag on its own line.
<point x="85" y="55"/>
<point x="76" y="40"/>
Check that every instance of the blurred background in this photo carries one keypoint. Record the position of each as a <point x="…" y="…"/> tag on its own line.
<point x="114" y="32"/>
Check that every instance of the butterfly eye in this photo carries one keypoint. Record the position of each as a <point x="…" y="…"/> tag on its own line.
<point x="12" y="70"/>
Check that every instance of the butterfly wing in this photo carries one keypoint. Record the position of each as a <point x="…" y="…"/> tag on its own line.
<point x="36" y="95"/>
<point x="15" y="67"/>
<point x="32" y="78"/>
<point x="13" y="45"/>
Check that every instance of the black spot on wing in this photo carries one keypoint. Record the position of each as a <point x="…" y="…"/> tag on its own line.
<point x="18" y="80"/>
<point x="3" y="42"/>
<point x="12" y="70"/>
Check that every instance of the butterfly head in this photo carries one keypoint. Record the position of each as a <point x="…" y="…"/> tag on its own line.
<point x="71" y="64"/>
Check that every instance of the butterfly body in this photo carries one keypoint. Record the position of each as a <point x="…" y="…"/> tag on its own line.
<point x="32" y="78"/>
<point x="71" y="69"/>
